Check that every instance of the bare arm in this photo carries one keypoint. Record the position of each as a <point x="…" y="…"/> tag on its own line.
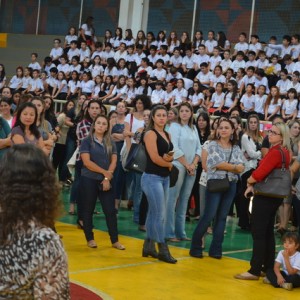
<point x="150" y="142"/>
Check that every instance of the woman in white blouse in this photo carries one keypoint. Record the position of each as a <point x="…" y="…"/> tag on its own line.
<point x="251" y="144"/>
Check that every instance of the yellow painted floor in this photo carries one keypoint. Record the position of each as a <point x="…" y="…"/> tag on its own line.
<point x="123" y="275"/>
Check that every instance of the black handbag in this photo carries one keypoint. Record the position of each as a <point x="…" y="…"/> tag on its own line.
<point x="173" y="176"/>
<point x="277" y="184"/>
<point x="219" y="185"/>
<point x="136" y="159"/>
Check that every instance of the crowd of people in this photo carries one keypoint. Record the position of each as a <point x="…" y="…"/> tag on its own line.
<point x="202" y="106"/>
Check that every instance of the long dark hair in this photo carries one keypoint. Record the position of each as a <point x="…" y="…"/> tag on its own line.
<point x="222" y="39"/>
<point x="87" y="114"/>
<point x="205" y="116"/>
<point x="33" y="128"/>
<point x="28" y="191"/>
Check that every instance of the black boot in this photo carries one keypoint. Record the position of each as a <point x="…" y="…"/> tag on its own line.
<point x="164" y="254"/>
<point x="149" y="249"/>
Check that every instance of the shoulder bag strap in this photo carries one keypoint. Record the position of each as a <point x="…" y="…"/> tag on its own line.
<point x="282" y="159"/>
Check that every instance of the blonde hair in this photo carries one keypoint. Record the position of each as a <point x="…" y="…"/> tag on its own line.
<point x="285" y="133"/>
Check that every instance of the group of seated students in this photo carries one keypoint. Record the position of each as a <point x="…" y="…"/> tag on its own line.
<point x="209" y="74"/>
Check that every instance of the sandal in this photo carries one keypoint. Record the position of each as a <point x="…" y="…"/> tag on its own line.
<point x="92" y="244"/>
<point x="118" y="246"/>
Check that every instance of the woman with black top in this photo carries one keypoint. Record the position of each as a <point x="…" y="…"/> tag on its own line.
<point x="155" y="183"/>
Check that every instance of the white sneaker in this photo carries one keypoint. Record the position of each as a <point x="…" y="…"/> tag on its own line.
<point x="266" y="280"/>
<point x="287" y="286"/>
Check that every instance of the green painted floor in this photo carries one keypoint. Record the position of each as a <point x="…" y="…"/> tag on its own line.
<point x="237" y="243"/>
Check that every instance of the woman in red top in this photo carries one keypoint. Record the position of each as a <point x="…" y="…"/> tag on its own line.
<point x="264" y="208"/>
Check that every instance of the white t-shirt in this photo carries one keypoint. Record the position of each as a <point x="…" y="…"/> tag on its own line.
<point x="159" y="74"/>
<point x="210" y="45"/>
<point x="56" y="52"/>
<point x="241" y="47"/>
<point x="217" y="99"/>
<point x="179" y="95"/>
<point x="294" y="261"/>
<point x="228" y="99"/>
<point x="214" y="61"/>
<point x="65" y="85"/>
<point x="87" y="86"/>
<point x="248" y="101"/>
<point x="214" y="79"/>
<point x="283" y="85"/>
<point x="290" y="106"/>
<point x="69" y="38"/>
<point x="196" y="98"/>
<point x="87" y="31"/>
<point x="136" y="124"/>
<point x="35" y="66"/>
<point x="63" y="68"/>
<point x="176" y="61"/>
<point x="189" y="61"/>
<point x="264" y="82"/>
<point x="237" y="64"/>
<point x="204" y="77"/>
<point x="73" y="85"/>
<point x="273" y="106"/>
<point x="259" y="103"/>
<point x="225" y="64"/>
<point x="156" y="96"/>
<point x="73" y="52"/>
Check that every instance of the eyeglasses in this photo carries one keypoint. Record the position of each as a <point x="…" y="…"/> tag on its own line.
<point x="272" y="132"/>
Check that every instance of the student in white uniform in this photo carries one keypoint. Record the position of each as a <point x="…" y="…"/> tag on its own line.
<point x="259" y="102"/>
<point x="289" y="106"/>
<point x="87" y="84"/>
<point x="273" y="104"/>
<point x="179" y="94"/>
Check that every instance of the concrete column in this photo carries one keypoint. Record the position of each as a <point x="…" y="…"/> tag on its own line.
<point x="133" y="14"/>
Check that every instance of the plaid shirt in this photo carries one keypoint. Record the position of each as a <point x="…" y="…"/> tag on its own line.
<point x="82" y="131"/>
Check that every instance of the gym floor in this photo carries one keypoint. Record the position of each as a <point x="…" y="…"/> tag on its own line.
<point x="115" y="274"/>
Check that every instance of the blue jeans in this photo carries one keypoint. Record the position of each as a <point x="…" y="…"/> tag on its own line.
<point x="156" y="189"/>
<point x="217" y="206"/>
<point x="176" y="209"/>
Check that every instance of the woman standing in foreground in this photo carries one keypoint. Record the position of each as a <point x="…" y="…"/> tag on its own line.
<point x="155" y="183"/>
<point x="225" y="159"/>
<point x="99" y="156"/>
<point x="264" y="208"/>
<point x="33" y="263"/>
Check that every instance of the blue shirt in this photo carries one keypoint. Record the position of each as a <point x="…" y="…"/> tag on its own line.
<point x="98" y="155"/>
<point x="186" y="142"/>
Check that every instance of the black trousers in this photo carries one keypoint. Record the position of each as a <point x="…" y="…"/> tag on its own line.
<point x="262" y="229"/>
<point x="294" y="279"/>
<point x="90" y="190"/>
<point x="243" y="202"/>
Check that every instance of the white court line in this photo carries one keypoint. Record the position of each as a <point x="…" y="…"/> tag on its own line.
<point x="123" y="266"/>
<point x="244" y="250"/>
<point x="92" y="289"/>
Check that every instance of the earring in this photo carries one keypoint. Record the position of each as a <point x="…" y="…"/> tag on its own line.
<point x="231" y="137"/>
<point x="218" y="137"/>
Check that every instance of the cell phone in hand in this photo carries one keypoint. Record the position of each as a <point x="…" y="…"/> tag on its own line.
<point x="171" y="152"/>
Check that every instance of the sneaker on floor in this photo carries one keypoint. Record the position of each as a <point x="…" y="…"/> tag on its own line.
<point x="266" y="281"/>
<point x="246" y="276"/>
<point x="287" y="286"/>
